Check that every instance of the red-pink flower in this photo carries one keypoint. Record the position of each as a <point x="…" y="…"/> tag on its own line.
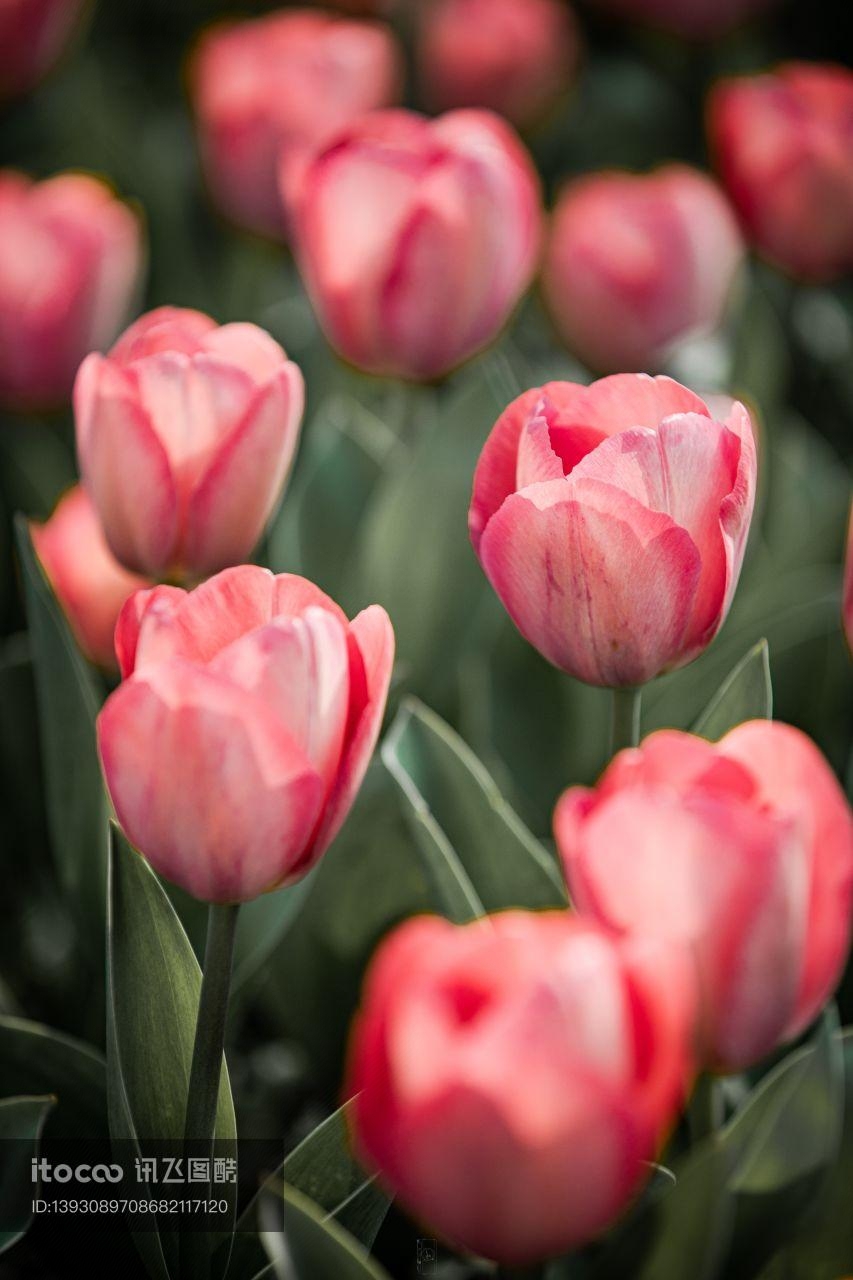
<point x="742" y="850"/>
<point x="516" y="57"/>
<point x="693" y="19"/>
<point x="266" y="92"/>
<point x="636" y="264"/>
<point x="88" y="581"/>
<point x="33" y="36"/>
<point x="512" y="1076"/>
<point x="69" y="262"/>
<point x="784" y="146"/>
<point x="417" y="237"/>
<point x="612" y="520"/>
<point x="238" y="741"/>
<point x="185" y="435"/>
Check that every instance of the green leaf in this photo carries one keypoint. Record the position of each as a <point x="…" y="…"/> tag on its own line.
<point x="35" y="1057"/>
<point x="692" y="1220"/>
<point x="312" y="1244"/>
<point x="69" y="698"/>
<point x="21" y="1123"/>
<point x="479" y="855"/>
<point x="745" y="694"/>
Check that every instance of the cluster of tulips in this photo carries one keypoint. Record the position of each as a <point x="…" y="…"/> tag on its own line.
<point x="513" y="1078"/>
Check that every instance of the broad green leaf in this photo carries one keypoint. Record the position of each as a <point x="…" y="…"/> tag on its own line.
<point x="479" y="855"/>
<point x="745" y="694"/>
<point x="69" y="697"/>
<point x="21" y="1122"/>
<point x="35" y="1057"/>
<point x="693" y="1220"/>
<point x="304" y="1243"/>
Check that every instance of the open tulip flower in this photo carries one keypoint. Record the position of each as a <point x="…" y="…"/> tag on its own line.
<point x="185" y="435"/>
<point x="417" y="237"/>
<point x="70" y="256"/>
<point x="612" y="520"/>
<point x="742" y="850"/>
<point x="239" y="738"/>
<point x="510" y="1077"/>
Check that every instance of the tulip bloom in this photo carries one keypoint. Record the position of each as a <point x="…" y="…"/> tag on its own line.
<point x="742" y="850"/>
<point x="185" y="435"/>
<point x="238" y="741"/>
<point x="637" y="264"/>
<point x="70" y="257"/>
<point x="89" y="583"/>
<point x="33" y="36"/>
<point x="510" y="1077"/>
<point x="784" y="146"/>
<point x="417" y="237"/>
<point x="267" y="91"/>
<point x="515" y="57"/>
<point x="692" y="19"/>
<point x="612" y="521"/>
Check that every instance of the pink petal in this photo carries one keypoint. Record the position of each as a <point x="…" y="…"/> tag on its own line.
<point x="292" y="595"/>
<point x="196" y="624"/>
<point x="248" y="347"/>
<point x="737" y="507"/>
<point x="130" y="620"/>
<point x="206" y="783"/>
<point x="537" y="460"/>
<point x="175" y="329"/>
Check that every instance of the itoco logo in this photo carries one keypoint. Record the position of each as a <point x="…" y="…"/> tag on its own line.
<point x="44" y="1170"/>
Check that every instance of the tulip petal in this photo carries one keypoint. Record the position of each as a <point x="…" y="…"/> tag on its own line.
<point x="207" y="784"/>
<point x="130" y="621"/>
<point x="196" y="624"/>
<point x="176" y="329"/>
<point x="248" y="347"/>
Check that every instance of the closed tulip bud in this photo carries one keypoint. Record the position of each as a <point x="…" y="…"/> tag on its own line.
<point x="612" y="521"/>
<point x="784" y="147"/>
<point x="70" y="257"/>
<point x="741" y="850"/>
<point x="237" y="743"/>
<point x="268" y="91"/>
<point x="638" y="264"/>
<point x="690" y="19"/>
<point x="417" y="237"/>
<point x="33" y="36"/>
<point x="89" y="583"/>
<point x="516" y="57"/>
<point x="511" y="1077"/>
<point x="185" y="435"/>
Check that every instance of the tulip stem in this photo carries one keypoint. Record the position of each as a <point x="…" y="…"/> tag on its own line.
<point x="705" y="1112"/>
<point x="206" y="1069"/>
<point x="625" y="724"/>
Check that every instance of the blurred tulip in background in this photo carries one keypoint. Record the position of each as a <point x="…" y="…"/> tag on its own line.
<point x="33" y="36"/>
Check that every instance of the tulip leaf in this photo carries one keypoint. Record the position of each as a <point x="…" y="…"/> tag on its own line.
<point x="305" y="1243"/>
<point x="34" y="1056"/>
<point x="478" y="853"/>
<point x="21" y="1122"/>
<point x="745" y="694"/>
<point x="692" y="1220"/>
<point x="68" y="699"/>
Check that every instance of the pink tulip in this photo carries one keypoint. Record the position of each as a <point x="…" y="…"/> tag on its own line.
<point x="417" y="237"/>
<point x="612" y="520"/>
<point x="511" y="1077"/>
<point x="89" y="583"/>
<point x="637" y="264"/>
<point x="515" y="57"/>
<point x="185" y="435"/>
<point x="742" y="850"/>
<point x="692" y="19"/>
<point x="33" y="36"/>
<point x="69" y="262"/>
<point x="784" y="147"/>
<point x="238" y="741"/>
<point x="268" y="91"/>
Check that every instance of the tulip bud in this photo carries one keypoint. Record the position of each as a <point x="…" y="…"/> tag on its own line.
<point x="417" y="237"/>
<point x="268" y="91"/>
<point x="741" y="850"/>
<point x="515" y="57"/>
<point x="511" y="1077"/>
<point x="89" y="583"/>
<point x="69" y="262"/>
<point x="638" y="264"/>
<point x="784" y="147"/>
<point x="185" y="435"/>
<point x="238" y="741"/>
<point x="612" y="521"/>
<point x="33" y="36"/>
<point x="691" y="19"/>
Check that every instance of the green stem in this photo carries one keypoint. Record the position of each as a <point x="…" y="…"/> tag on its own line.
<point x="206" y="1067"/>
<point x="625" y="724"/>
<point x="705" y="1112"/>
